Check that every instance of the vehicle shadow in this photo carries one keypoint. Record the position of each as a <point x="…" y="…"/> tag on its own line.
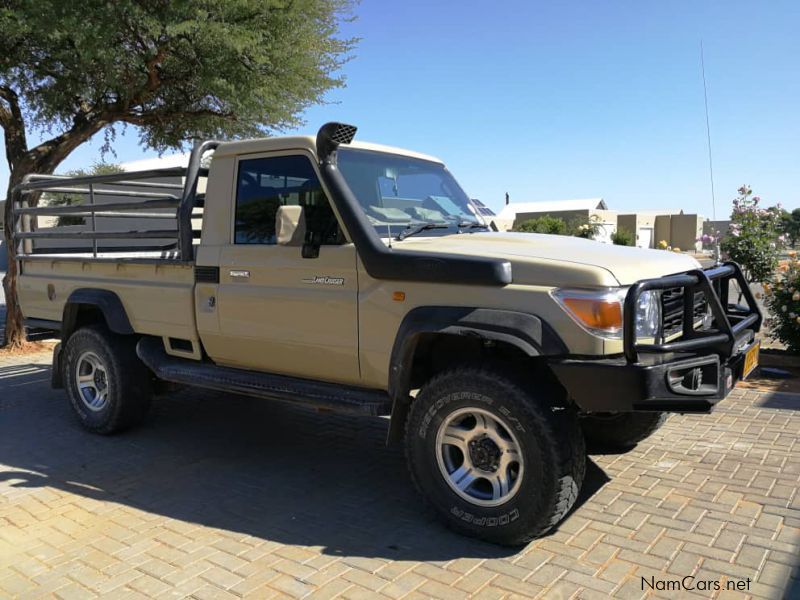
<point x="273" y="471"/>
<point x="780" y="400"/>
<point x="793" y="588"/>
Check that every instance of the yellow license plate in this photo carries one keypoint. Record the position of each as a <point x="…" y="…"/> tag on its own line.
<point x="750" y="360"/>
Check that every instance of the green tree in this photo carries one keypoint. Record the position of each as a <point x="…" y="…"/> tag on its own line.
<point x="790" y="225"/>
<point x="99" y="168"/>
<point x="175" y="70"/>
<point x="544" y="224"/>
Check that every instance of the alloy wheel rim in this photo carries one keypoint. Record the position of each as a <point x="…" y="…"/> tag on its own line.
<point x="479" y="457"/>
<point x="91" y="380"/>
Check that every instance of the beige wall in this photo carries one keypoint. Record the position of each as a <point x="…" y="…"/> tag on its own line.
<point x="684" y="231"/>
<point x="628" y="222"/>
<point x="639" y="224"/>
<point x="661" y="230"/>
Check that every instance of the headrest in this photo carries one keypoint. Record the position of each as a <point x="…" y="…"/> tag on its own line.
<point x="290" y="225"/>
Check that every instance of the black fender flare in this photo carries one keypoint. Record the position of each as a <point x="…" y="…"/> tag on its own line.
<point x="527" y="332"/>
<point x="107" y="302"/>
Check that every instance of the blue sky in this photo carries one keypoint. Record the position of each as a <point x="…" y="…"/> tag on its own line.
<point x="557" y="100"/>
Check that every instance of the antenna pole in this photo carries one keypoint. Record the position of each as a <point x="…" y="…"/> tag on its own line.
<point x="708" y="135"/>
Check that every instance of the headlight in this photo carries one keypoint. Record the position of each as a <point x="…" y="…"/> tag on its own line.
<point x="648" y="314"/>
<point x="600" y="311"/>
<point x="597" y="311"/>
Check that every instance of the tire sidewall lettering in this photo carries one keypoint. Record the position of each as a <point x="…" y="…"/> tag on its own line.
<point x="467" y="517"/>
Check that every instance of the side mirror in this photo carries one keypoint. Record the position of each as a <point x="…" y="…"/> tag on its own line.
<point x="290" y="226"/>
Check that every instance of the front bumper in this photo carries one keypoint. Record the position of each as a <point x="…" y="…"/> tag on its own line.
<point x="690" y="374"/>
<point x="676" y="383"/>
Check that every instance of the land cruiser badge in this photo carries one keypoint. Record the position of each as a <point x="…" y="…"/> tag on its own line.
<point x="324" y="280"/>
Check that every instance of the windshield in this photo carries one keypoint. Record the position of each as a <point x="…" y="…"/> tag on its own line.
<point x="399" y="192"/>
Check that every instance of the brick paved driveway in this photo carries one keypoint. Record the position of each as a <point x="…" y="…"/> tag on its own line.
<point x="218" y="496"/>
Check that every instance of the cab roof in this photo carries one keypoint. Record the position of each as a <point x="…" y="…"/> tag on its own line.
<point x="308" y="143"/>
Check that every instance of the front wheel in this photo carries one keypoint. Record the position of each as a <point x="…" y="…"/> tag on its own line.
<point x="493" y="459"/>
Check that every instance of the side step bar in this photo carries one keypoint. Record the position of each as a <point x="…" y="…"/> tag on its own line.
<point x="330" y="396"/>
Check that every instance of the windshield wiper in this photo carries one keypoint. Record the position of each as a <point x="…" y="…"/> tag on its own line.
<point x="414" y="230"/>
<point x="471" y="225"/>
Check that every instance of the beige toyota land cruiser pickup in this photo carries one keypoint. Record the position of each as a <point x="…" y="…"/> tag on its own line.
<point x="361" y="279"/>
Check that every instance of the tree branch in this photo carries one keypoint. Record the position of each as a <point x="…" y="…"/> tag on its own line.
<point x="48" y="155"/>
<point x="13" y="124"/>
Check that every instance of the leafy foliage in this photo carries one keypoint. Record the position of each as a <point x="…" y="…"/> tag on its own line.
<point x="98" y="168"/>
<point x="544" y="224"/>
<point x="623" y="237"/>
<point x="577" y="227"/>
<point x="177" y="70"/>
<point x="754" y="236"/>
<point x="783" y="301"/>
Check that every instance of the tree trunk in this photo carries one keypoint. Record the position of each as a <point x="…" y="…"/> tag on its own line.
<point x="44" y="159"/>
<point x="15" y="328"/>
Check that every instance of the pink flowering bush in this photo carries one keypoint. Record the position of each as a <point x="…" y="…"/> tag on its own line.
<point x="782" y="297"/>
<point x="754" y="237"/>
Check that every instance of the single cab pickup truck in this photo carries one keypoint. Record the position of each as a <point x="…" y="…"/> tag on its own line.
<point x="361" y="278"/>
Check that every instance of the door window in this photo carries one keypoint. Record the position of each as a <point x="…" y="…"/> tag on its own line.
<point x="264" y="184"/>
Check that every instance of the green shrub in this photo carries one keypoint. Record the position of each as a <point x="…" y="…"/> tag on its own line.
<point x="545" y="224"/>
<point x="753" y="237"/>
<point x="783" y="300"/>
<point x="584" y="228"/>
<point x="623" y="237"/>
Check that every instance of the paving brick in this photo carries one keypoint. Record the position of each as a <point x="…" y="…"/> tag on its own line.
<point x="366" y="580"/>
<point x="332" y="589"/>
<point x="600" y="554"/>
<point x="291" y="586"/>
<point x="665" y="548"/>
<point x="408" y="582"/>
<point x="221" y="578"/>
<point x="616" y="571"/>
<point x="547" y="574"/>
<point x="475" y="580"/>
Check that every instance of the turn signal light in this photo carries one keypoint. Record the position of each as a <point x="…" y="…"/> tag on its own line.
<point x="597" y="311"/>
<point x="597" y="314"/>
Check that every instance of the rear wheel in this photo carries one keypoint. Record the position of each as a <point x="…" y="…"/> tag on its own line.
<point x="108" y="386"/>
<point x="494" y="460"/>
<point x="620" y="430"/>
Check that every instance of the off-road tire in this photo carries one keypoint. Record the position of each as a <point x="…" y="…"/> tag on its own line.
<point x="550" y="441"/>
<point x="620" y="430"/>
<point x="129" y="381"/>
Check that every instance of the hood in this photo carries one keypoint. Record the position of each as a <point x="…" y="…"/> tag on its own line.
<point x="557" y="259"/>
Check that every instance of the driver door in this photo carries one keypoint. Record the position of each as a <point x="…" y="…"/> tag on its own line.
<point x="281" y="312"/>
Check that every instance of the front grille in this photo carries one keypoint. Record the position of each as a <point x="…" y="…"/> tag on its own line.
<point x="672" y="310"/>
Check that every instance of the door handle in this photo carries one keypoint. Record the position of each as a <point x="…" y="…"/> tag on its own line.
<point x="240" y="274"/>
